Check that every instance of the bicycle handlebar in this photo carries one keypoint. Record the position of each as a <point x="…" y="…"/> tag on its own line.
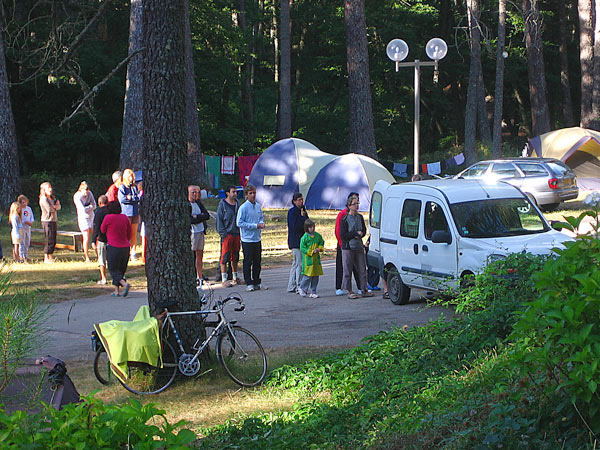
<point x="235" y="297"/>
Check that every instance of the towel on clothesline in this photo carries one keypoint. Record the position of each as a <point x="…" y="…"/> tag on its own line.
<point x="245" y="165"/>
<point x="228" y="165"/>
<point x="213" y="170"/>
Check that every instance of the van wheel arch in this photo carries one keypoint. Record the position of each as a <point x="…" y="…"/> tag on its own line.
<point x="399" y="292"/>
<point x="467" y="280"/>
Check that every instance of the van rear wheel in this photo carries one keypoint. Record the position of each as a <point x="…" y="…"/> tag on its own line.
<point x="399" y="292"/>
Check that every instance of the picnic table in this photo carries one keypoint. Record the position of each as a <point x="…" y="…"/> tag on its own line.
<point x="77" y="237"/>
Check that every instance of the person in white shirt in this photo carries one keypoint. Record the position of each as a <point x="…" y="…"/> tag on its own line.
<point x="198" y="217"/>
<point x="28" y="220"/>
<point x="85" y="205"/>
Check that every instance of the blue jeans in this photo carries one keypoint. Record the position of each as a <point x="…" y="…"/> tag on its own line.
<point x="309" y="281"/>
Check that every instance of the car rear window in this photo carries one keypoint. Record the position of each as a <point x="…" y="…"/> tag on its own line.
<point x="532" y="169"/>
<point x="559" y="168"/>
<point x="505" y="170"/>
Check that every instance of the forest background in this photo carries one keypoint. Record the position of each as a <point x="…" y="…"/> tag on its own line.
<point x="236" y="56"/>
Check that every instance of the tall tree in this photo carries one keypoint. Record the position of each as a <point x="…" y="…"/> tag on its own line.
<point x="284" y="112"/>
<point x="169" y="263"/>
<point x="540" y="114"/>
<point x="247" y="85"/>
<point x="132" y="137"/>
<point x="473" y="88"/>
<point x="362" y="132"/>
<point x="499" y="88"/>
<point x="589" y="56"/>
<point x="195" y="166"/>
<point x="565" y="84"/>
<point x="9" y="162"/>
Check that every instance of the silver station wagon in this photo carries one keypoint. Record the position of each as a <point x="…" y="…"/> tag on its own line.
<point x="546" y="181"/>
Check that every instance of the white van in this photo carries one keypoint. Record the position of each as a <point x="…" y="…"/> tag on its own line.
<point x="430" y="234"/>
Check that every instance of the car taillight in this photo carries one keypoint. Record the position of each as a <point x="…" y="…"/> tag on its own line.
<point x="553" y="183"/>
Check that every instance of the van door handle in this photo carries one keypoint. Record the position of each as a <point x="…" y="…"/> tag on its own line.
<point x="425" y="248"/>
<point x="416" y="249"/>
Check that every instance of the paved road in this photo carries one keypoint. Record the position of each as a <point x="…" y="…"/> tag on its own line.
<point x="279" y="320"/>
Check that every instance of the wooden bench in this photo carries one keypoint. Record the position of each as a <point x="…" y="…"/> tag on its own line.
<point x="77" y="237"/>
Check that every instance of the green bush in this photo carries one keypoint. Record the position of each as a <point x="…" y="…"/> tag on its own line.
<point x="92" y="424"/>
<point x="558" y="333"/>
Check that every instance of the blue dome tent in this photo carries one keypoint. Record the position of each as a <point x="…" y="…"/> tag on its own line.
<point x="294" y="165"/>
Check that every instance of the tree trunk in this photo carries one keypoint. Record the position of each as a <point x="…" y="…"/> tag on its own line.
<point x="499" y="88"/>
<point x="284" y="112"/>
<point x="131" y="140"/>
<point x="472" y="90"/>
<point x="9" y="160"/>
<point x="540" y="115"/>
<point x="362" y="133"/>
<point x="485" y="134"/>
<point x="586" y="57"/>
<point x="195" y="173"/>
<point x="565" y="85"/>
<point x="169" y="262"/>
<point x="247" y="94"/>
<point x="595" y="124"/>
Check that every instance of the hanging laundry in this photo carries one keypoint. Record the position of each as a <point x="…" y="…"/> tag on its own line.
<point x="459" y="159"/>
<point x="227" y="165"/>
<point x="245" y="165"/>
<point x="213" y="167"/>
<point x="423" y="168"/>
<point x="389" y="165"/>
<point x="400" y="170"/>
<point x="434" y="168"/>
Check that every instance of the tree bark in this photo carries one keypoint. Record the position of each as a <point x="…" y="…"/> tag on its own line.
<point x="195" y="171"/>
<point x="284" y="112"/>
<point x="595" y="124"/>
<point x="540" y="115"/>
<point x="499" y="88"/>
<point x="567" y="105"/>
<point x="472" y="90"/>
<point x="131" y="140"/>
<point x="362" y="132"/>
<point x="483" y="120"/>
<point x="586" y="57"/>
<point x="247" y="92"/>
<point x="169" y="261"/>
<point x="9" y="160"/>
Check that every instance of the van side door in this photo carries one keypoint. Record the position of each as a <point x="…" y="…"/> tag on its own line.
<point x="438" y="246"/>
<point x="409" y="239"/>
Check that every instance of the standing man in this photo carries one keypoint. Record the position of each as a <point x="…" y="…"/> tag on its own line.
<point x="198" y="217"/>
<point x="113" y="190"/>
<point x="295" y="222"/>
<point x="339" y="269"/>
<point x="99" y="239"/>
<point x="230" y="235"/>
<point x="251" y="222"/>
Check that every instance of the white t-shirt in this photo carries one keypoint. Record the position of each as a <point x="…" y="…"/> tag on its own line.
<point x="196" y="227"/>
<point x="27" y="216"/>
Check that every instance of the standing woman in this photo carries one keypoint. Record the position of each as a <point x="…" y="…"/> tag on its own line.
<point x="117" y="228"/>
<point x="85" y="205"/>
<point x="129" y="198"/>
<point x="16" y="234"/>
<point x="352" y="231"/>
<point x="49" y="206"/>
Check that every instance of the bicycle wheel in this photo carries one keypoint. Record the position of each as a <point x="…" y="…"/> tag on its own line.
<point x="147" y="379"/>
<point x="102" y="367"/>
<point x="242" y="356"/>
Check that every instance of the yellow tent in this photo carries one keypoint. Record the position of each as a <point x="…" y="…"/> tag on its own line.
<point x="577" y="147"/>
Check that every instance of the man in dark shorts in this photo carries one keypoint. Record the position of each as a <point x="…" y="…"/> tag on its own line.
<point x="230" y="235"/>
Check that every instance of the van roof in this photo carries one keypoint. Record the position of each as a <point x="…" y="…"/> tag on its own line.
<point x="460" y="190"/>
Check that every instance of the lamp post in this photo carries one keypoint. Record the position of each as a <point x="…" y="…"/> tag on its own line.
<point x="397" y="51"/>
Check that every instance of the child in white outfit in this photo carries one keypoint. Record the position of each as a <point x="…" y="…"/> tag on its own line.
<point x="16" y="233"/>
<point x="28" y="219"/>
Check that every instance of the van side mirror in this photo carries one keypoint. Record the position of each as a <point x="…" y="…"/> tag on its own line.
<point x="441" y="237"/>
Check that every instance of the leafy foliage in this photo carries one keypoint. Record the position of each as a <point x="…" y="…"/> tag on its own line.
<point x="92" y="424"/>
<point x="21" y="318"/>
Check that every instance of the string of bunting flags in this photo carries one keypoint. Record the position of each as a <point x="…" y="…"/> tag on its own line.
<point x="216" y="166"/>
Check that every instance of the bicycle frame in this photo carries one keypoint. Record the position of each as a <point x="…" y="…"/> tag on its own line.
<point x="222" y="325"/>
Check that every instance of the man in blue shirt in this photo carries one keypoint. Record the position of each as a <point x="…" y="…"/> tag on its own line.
<point x="251" y="222"/>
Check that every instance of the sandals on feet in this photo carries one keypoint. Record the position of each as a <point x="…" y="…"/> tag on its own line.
<point x="115" y="294"/>
<point x="353" y="296"/>
<point x="386" y="295"/>
<point x="126" y="291"/>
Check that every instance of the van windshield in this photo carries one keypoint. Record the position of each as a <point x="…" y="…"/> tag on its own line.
<point x="497" y="218"/>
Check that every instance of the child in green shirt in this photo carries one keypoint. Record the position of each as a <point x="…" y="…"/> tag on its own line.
<point x="311" y="246"/>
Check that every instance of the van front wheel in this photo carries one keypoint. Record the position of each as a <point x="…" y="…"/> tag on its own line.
<point x="399" y="292"/>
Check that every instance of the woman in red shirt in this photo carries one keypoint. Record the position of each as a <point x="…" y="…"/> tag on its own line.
<point x="117" y="228"/>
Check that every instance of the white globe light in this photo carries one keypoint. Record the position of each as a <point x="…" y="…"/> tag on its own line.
<point x="436" y="49"/>
<point x="397" y="50"/>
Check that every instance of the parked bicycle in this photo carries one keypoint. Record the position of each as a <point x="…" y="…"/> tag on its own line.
<point x="237" y="349"/>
